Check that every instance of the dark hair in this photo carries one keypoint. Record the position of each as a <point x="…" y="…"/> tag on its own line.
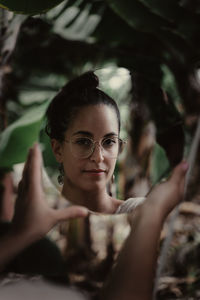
<point x="76" y="94"/>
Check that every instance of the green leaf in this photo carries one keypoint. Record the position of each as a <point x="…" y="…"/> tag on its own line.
<point x="179" y="28"/>
<point x="29" y="7"/>
<point x="123" y="33"/>
<point x="48" y="157"/>
<point x="160" y="166"/>
<point x="167" y="9"/>
<point x="19" y="136"/>
<point x="138" y="15"/>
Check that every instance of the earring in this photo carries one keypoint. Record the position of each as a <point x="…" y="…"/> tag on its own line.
<point x="61" y="175"/>
<point x="113" y="179"/>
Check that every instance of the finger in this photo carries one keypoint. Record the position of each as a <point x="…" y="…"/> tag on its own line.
<point x="178" y="174"/>
<point x="71" y="213"/>
<point x="35" y="165"/>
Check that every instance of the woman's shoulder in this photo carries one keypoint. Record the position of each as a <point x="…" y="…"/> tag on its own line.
<point x="129" y="205"/>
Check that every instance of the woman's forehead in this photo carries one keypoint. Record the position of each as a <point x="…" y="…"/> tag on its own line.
<point x="95" y="119"/>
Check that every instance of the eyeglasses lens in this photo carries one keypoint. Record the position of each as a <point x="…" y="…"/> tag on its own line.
<point x="83" y="147"/>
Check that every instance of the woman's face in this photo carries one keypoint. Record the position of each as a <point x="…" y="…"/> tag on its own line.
<point x="94" y="172"/>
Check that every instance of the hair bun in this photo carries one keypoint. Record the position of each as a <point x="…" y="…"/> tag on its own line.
<point x="87" y="80"/>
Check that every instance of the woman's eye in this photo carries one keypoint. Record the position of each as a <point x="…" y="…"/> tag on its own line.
<point x="83" y="142"/>
<point x="109" y="142"/>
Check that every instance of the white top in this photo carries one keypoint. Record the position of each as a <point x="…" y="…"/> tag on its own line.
<point x="130" y="204"/>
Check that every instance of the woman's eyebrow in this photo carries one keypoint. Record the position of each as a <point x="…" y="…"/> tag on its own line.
<point x="110" y="134"/>
<point x="87" y="133"/>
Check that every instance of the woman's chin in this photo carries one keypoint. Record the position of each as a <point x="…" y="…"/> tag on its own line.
<point x="95" y="185"/>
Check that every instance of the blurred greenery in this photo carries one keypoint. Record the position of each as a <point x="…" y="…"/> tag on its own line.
<point x="160" y="165"/>
<point x="19" y="136"/>
<point x="158" y="41"/>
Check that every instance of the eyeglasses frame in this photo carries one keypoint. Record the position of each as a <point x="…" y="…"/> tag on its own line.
<point x="123" y="142"/>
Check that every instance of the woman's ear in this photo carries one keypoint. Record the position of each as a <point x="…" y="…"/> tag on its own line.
<point x="57" y="150"/>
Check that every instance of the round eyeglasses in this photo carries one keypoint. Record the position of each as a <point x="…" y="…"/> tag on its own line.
<point x="83" y="147"/>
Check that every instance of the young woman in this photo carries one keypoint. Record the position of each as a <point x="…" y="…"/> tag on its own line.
<point x="84" y="126"/>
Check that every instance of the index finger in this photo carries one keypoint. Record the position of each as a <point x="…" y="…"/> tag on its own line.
<point x="36" y="165"/>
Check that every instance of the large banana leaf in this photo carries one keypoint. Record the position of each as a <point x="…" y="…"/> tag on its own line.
<point x="19" y="136"/>
<point x="170" y="25"/>
<point x="29" y="7"/>
<point x="138" y="16"/>
<point x="183" y="20"/>
<point x="167" y="9"/>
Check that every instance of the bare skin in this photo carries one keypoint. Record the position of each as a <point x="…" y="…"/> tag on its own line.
<point x="134" y="273"/>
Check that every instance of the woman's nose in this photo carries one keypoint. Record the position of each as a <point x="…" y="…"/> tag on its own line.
<point x="97" y="153"/>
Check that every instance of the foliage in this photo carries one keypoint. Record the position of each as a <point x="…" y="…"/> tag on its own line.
<point x="160" y="165"/>
<point x="17" y="138"/>
<point x="151" y="39"/>
<point x="29" y="7"/>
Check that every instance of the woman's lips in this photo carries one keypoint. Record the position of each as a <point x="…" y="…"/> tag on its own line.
<point x="94" y="171"/>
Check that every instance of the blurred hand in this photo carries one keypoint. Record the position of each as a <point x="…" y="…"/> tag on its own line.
<point x="166" y="195"/>
<point x="32" y="213"/>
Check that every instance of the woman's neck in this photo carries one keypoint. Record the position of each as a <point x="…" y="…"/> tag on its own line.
<point x="97" y="200"/>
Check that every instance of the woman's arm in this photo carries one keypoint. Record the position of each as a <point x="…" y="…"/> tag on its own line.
<point x="134" y="273"/>
<point x="33" y="217"/>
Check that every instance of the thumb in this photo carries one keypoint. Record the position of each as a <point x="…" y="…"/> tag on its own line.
<point x="71" y="212"/>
